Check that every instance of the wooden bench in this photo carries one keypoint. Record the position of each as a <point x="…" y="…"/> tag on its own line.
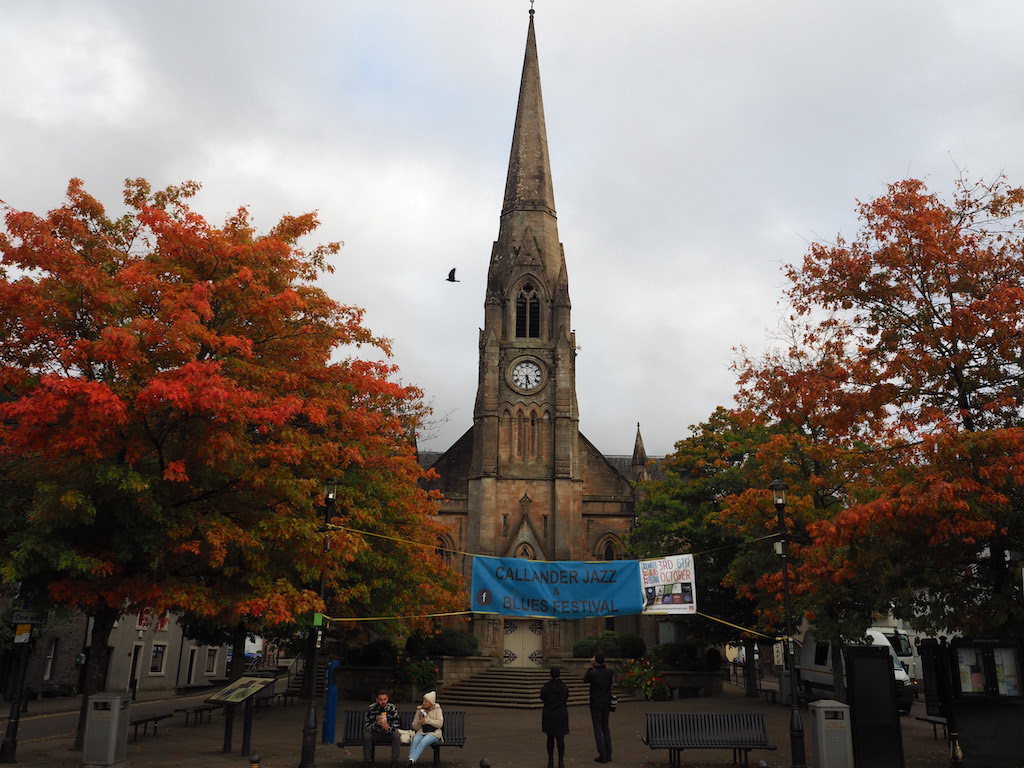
<point x="196" y="713"/>
<point x="453" y="730"/>
<point x="144" y="721"/>
<point x="676" y="731"/>
<point x="935" y="721"/>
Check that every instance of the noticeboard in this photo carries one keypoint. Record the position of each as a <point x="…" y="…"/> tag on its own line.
<point x="237" y="691"/>
<point x="987" y="668"/>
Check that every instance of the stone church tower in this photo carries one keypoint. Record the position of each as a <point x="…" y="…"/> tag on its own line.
<point x="523" y="481"/>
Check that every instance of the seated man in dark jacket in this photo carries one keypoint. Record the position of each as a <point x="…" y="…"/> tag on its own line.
<point x="381" y="726"/>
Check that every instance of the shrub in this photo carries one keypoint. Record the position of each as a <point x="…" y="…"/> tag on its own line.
<point x="612" y="644"/>
<point x="631" y="646"/>
<point x="449" y="642"/>
<point x="685" y="656"/>
<point x="421" y="672"/>
<point x="642" y="674"/>
<point x="453" y="642"/>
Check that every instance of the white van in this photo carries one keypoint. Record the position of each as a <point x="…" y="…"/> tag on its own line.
<point x="815" y="668"/>
<point x="906" y="649"/>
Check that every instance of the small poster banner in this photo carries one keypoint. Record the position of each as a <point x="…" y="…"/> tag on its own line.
<point x="565" y="589"/>
<point x="669" y="585"/>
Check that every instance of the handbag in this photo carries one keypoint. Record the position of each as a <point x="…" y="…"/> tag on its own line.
<point x="405" y="735"/>
<point x="614" y="703"/>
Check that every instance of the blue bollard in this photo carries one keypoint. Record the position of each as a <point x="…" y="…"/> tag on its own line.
<point x="330" y="705"/>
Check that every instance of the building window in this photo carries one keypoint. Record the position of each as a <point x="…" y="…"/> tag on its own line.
<point x="443" y="551"/>
<point x="51" y="655"/>
<point x="211" y="661"/>
<point x="544" y="520"/>
<point x="528" y="313"/>
<point x="156" y="661"/>
<point x="504" y="525"/>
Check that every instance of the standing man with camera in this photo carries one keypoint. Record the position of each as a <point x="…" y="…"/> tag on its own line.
<point x="600" y="679"/>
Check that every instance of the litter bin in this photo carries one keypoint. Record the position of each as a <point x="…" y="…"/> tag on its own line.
<point x="106" y="730"/>
<point x="833" y="741"/>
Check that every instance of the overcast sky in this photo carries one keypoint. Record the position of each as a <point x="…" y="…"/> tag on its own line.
<point x="696" y="147"/>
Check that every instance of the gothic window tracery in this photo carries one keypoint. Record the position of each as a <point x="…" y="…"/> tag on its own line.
<point x="528" y="312"/>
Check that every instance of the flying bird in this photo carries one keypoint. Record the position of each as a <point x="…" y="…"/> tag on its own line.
<point x="451" y="277"/>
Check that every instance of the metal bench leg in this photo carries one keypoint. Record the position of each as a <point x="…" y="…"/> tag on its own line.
<point x="437" y="754"/>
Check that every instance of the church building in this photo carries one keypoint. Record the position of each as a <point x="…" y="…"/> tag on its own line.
<point x="523" y="481"/>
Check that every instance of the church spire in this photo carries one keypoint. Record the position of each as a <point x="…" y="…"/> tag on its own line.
<point x="528" y="186"/>
<point x="528" y="229"/>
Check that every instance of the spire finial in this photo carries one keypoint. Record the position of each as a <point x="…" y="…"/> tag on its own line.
<point x="531" y="7"/>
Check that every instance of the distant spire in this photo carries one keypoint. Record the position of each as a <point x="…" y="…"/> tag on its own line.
<point x="639" y="454"/>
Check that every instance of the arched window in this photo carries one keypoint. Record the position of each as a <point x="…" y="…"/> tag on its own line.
<point x="530" y="433"/>
<point x="444" y="550"/>
<point x="528" y="312"/>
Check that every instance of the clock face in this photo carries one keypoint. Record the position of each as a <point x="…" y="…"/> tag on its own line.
<point x="526" y="375"/>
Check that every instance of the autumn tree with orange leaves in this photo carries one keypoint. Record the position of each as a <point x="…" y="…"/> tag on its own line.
<point x="908" y="353"/>
<point x="174" y="394"/>
<point x="893" y="410"/>
<point x="924" y="312"/>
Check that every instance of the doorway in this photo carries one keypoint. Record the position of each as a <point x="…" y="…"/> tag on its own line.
<point x="524" y="644"/>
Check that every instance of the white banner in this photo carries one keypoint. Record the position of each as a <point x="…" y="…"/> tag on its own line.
<point x="669" y="585"/>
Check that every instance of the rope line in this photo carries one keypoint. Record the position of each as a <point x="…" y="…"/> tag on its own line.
<point x="333" y="527"/>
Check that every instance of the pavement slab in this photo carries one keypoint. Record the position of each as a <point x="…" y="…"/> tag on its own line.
<point x="508" y="738"/>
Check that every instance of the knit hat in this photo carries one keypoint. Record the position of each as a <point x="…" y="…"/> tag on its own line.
<point x="430" y="696"/>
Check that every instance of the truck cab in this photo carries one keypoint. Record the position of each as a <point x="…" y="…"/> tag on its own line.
<point x="906" y="650"/>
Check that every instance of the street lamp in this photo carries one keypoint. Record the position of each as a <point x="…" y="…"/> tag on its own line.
<point x="796" y="727"/>
<point x="316" y="637"/>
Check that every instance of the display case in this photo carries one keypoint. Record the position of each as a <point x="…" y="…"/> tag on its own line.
<point x="975" y="685"/>
<point x="986" y="669"/>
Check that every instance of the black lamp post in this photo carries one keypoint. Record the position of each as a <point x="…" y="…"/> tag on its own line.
<point x="316" y="638"/>
<point x="796" y="727"/>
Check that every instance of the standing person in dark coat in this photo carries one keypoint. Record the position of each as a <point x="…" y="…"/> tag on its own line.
<point x="600" y="679"/>
<point x="554" y="720"/>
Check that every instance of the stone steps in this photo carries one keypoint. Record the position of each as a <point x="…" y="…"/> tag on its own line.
<point x="510" y="688"/>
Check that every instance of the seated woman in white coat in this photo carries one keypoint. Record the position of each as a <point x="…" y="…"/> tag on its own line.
<point x="426" y="726"/>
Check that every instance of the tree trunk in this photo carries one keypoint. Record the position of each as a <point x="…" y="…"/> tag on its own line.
<point x="96" y="665"/>
<point x="237" y="666"/>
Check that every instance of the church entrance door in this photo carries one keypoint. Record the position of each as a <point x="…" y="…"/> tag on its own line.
<point x="524" y="644"/>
